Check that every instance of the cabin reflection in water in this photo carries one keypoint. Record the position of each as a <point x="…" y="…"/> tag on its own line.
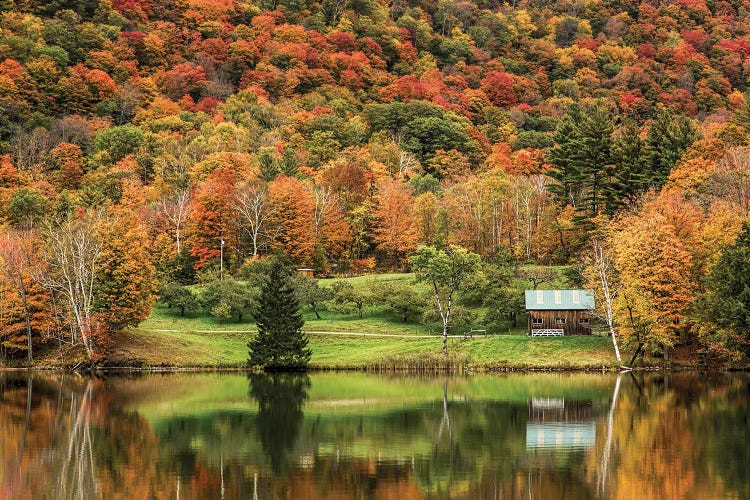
<point x="555" y="423"/>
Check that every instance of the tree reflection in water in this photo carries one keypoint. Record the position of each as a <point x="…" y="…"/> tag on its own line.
<point x="77" y="477"/>
<point x="280" y="398"/>
<point x="372" y="436"/>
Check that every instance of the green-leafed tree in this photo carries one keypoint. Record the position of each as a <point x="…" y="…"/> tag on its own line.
<point x="399" y="298"/>
<point x="280" y="343"/>
<point x="310" y="293"/>
<point x="346" y="298"/>
<point x="445" y="271"/>
<point x="502" y="298"/>
<point x="239" y="299"/>
<point x="180" y="297"/>
<point x="727" y="301"/>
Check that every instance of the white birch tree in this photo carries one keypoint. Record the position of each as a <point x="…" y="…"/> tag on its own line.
<point x="601" y="276"/>
<point x="176" y="207"/>
<point x="444" y="271"/>
<point x="253" y="205"/>
<point x="73" y="250"/>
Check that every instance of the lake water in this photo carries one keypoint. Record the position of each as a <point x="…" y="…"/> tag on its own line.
<point x="355" y="435"/>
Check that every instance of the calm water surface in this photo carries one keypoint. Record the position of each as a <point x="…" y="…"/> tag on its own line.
<point x="374" y="436"/>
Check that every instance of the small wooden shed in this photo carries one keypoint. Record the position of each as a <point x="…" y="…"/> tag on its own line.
<point x="559" y="312"/>
<point x="309" y="273"/>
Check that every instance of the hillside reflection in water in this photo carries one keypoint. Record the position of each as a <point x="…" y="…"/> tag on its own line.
<point x="374" y="436"/>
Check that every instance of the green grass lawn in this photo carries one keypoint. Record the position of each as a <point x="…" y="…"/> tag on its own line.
<point x="228" y="349"/>
<point x="198" y="340"/>
<point x="374" y="321"/>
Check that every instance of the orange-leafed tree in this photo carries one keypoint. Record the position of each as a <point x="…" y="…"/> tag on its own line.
<point x="292" y="219"/>
<point x="69" y="161"/>
<point x="498" y="86"/>
<point x="212" y="217"/>
<point x="25" y="317"/>
<point x="395" y="229"/>
<point x="125" y="282"/>
<point x="655" y="272"/>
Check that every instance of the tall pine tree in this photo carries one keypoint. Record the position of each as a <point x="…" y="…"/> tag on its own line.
<point x="668" y="137"/>
<point x="593" y="158"/>
<point x="630" y="176"/>
<point x="582" y="160"/>
<point x="280" y="343"/>
<point x="562" y="157"/>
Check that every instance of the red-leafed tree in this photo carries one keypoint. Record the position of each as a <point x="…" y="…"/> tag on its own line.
<point x="499" y="88"/>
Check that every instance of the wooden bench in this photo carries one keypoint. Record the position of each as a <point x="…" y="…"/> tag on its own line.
<point x="548" y="332"/>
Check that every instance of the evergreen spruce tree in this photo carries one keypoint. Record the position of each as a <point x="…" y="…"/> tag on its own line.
<point x="280" y="343"/>
<point x="667" y="139"/>
<point x="629" y="156"/>
<point x="561" y="156"/>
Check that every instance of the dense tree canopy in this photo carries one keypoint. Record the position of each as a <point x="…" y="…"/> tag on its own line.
<point x="346" y="134"/>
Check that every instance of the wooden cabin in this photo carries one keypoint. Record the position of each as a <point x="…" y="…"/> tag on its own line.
<point x="559" y="312"/>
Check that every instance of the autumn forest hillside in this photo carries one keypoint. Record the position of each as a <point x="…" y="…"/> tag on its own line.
<point x="146" y="144"/>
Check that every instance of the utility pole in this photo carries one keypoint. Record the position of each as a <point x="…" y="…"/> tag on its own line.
<point x="221" y="261"/>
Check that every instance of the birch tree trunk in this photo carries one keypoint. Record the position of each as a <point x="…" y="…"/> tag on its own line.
<point x="176" y="208"/>
<point x="74" y="247"/>
<point x="603" y="271"/>
<point x="252" y="204"/>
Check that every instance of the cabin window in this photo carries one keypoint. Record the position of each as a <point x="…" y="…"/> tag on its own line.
<point x="537" y="321"/>
<point x="559" y="321"/>
<point x="583" y="321"/>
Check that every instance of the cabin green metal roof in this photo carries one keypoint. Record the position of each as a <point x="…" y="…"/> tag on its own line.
<point x="558" y="300"/>
<point x="560" y="435"/>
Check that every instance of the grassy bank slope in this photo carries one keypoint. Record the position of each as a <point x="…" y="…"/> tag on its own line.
<point x="227" y="349"/>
